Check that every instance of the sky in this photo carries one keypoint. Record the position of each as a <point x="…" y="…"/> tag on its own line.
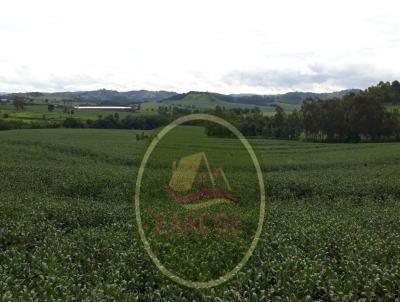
<point x="224" y="46"/>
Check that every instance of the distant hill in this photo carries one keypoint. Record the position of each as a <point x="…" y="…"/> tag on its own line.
<point x="112" y="97"/>
<point x="194" y="99"/>
<point x="299" y="97"/>
<point x="201" y="99"/>
<point x="102" y="96"/>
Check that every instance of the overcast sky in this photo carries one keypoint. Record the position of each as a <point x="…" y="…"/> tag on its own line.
<point x="207" y="45"/>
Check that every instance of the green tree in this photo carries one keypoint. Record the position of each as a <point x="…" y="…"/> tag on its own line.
<point x="279" y="123"/>
<point x="19" y="103"/>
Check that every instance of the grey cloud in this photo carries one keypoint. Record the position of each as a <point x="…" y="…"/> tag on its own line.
<point x="349" y="76"/>
<point x="24" y="80"/>
<point x="61" y="83"/>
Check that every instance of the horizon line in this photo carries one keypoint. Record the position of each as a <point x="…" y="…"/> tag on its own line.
<point x="172" y="91"/>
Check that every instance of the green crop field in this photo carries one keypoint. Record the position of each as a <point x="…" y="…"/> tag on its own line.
<point x="68" y="229"/>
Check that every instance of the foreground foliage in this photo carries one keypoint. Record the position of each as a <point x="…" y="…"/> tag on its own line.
<point x="67" y="228"/>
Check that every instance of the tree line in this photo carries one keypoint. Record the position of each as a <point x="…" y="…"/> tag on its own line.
<point x="113" y="121"/>
<point x="365" y="116"/>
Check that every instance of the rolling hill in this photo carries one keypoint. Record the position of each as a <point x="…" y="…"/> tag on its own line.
<point x="102" y="96"/>
<point x="289" y="101"/>
<point x="204" y="100"/>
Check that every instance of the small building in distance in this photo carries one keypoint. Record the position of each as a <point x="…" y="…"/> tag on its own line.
<point x="111" y="108"/>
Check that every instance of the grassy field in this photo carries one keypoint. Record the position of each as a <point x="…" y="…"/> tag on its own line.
<point x="39" y="112"/>
<point x="68" y="232"/>
<point x="203" y="101"/>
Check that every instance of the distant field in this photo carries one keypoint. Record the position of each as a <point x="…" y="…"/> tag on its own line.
<point x="67" y="225"/>
<point x="195" y="103"/>
<point x="40" y="112"/>
<point x="205" y="102"/>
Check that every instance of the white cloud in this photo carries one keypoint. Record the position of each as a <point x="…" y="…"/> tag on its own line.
<point x="198" y="45"/>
